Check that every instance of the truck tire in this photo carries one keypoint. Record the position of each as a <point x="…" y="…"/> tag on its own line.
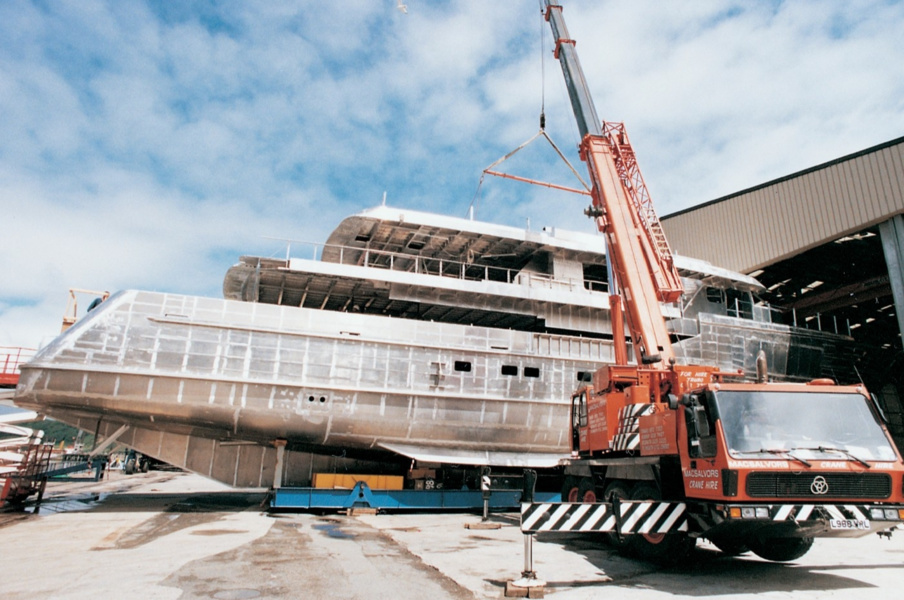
<point x="730" y="546"/>
<point x="587" y="491"/>
<point x="658" y="547"/>
<point x="570" y="489"/>
<point x="780" y="549"/>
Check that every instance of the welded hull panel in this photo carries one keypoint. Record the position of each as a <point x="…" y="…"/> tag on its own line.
<point x="257" y="372"/>
<point x="792" y="353"/>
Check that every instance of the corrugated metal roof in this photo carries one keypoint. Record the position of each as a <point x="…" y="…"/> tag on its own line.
<point x="778" y="219"/>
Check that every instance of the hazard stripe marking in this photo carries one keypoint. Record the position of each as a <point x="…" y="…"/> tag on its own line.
<point x="574" y="519"/>
<point x="555" y="518"/>
<point x="783" y="512"/>
<point x="534" y="513"/>
<point x="627" y="436"/>
<point x="804" y="513"/>
<point x="637" y="513"/>
<point x="608" y="525"/>
<point x="654" y="518"/>
<point x="602" y="512"/>
<point x="637" y="517"/>
<point x="833" y="511"/>
<point x="677" y="514"/>
<point x="647" y="516"/>
<point x="855" y="512"/>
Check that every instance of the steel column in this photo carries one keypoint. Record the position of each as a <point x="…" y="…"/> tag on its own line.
<point x="892" y="233"/>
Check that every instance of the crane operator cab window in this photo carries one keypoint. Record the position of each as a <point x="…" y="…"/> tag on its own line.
<point x="701" y="431"/>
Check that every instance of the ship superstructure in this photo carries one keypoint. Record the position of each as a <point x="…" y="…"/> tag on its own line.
<point x="424" y="266"/>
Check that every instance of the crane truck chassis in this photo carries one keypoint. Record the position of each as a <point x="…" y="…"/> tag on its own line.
<point x="765" y="467"/>
<point x="663" y="454"/>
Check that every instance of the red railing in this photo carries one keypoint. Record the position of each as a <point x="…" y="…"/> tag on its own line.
<point x="10" y="359"/>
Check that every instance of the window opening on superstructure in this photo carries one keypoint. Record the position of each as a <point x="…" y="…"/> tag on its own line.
<point x="714" y="295"/>
<point x="531" y="372"/>
<point x="596" y="278"/>
<point x="463" y="365"/>
<point x="739" y="304"/>
<point x="584" y="376"/>
<point x="509" y="370"/>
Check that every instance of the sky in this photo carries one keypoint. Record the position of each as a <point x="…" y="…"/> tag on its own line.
<point x="150" y="144"/>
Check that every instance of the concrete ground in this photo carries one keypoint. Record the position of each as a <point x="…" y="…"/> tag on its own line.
<point x="174" y="535"/>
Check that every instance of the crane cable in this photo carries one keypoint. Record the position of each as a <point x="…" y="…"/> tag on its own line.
<point x="472" y="208"/>
<point x="542" y="72"/>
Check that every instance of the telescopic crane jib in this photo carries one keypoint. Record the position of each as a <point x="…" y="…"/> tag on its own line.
<point x="642" y="263"/>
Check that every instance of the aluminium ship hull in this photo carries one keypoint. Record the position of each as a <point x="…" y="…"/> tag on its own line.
<point x="340" y="384"/>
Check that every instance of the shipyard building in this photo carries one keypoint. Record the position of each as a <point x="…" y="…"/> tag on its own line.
<point x="828" y="244"/>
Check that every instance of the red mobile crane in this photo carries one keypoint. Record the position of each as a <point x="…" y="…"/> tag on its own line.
<point x="663" y="453"/>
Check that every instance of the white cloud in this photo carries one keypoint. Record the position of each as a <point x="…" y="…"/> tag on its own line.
<point x="150" y="145"/>
<point x="717" y="103"/>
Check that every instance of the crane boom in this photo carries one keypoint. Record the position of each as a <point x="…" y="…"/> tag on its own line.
<point x="694" y="428"/>
<point x="642" y="263"/>
<point x="578" y="92"/>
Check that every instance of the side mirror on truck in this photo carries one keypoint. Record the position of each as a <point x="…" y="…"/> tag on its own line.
<point x="700" y="435"/>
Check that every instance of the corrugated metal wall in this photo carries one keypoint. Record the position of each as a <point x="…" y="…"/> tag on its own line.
<point x="766" y="224"/>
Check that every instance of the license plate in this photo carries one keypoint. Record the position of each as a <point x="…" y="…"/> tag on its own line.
<point x="849" y="524"/>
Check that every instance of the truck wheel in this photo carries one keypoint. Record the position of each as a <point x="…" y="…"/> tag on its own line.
<point x="570" y="489"/>
<point x="730" y="546"/>
<point x="658" y="547"/>
<point x="616" y="489"/>
<point x="587" y="490"/>
<point x="780" y="549"/>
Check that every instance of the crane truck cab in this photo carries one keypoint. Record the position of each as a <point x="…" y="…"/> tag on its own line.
<point x="791" y="462"/>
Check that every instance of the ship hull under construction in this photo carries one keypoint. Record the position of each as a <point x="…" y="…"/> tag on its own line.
<point x="336" y="384"/>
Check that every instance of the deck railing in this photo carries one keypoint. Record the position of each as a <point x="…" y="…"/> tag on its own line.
<point x="442" y="267"/>
<point x="10" y="359"/>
